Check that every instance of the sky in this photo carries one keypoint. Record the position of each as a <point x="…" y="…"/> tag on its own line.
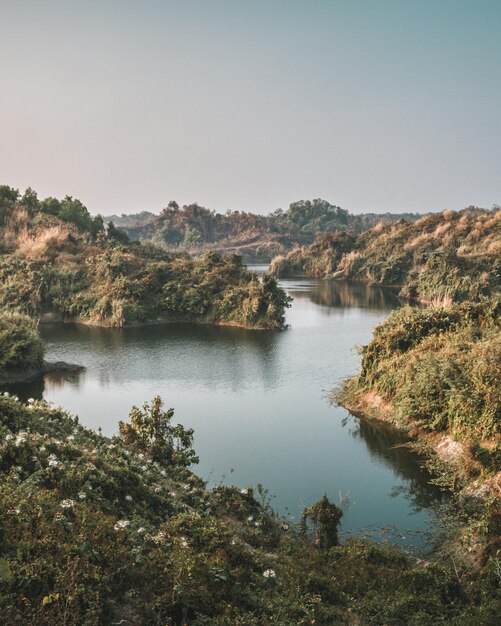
<point x="374" y="105"/>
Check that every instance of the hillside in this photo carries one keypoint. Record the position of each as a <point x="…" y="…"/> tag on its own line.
<point x="195" y="229"/>
<point x="97" y="531"/>
<point x="452" y="255"/>
<point x="59" y="263"/>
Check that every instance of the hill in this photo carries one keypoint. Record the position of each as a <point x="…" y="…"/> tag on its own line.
<point x="57" y="262"/>
<point x="195" y="229"/>
<point x="452" y="255"/>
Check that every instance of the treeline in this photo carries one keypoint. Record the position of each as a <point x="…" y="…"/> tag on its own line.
<point x="193" y="226"/>
<point x="451" y="255"/>
<point x="58" y="262"/>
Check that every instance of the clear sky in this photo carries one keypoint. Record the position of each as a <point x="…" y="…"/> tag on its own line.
<point x="374" y="105"/>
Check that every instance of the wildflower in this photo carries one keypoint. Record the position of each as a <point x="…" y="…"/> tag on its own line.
<point x="244" y="491"/>
<point x="250" y="518"/>
<point x="140" y="530"/>
<point x="9" y="437"/>
<point x="6" y="394"/>
<point x="67" y="504"/>
<point x="13" y="512"/>
<point x="21" y="438"/>
<point x="34" y="458"/>
<point x="184" y="543"/>
<point x="159" y="537"/>
<point x="158" y="489"/>
<point x="143" y="468"/>
<point x="30" y="400"/>
<point x="58" y="517"/>
<point x="70" y="438"/>
<point x="42" y="448"/>
<point x="128" y="498"/>
<point x="269" y="573"/>
<point x="52" y="461"/>
<point x="121" y="524"/>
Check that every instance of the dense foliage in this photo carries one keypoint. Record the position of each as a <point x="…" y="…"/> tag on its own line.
<point x="452" y="255"/>
<point x="95" y="531"/>
<point x="198" y="229"/>
<point x="54" y="263"/>
<point x="20" y="345"/>
<point x="440" y="369"/>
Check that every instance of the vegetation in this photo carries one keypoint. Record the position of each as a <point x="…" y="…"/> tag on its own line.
<point x="450" y="255"/>
<point x="57" y="261"/>
<point x="197" y="229"/>
<point x="439" y="370"/>
<point x="20" y="345"/>
<point x="96" y="531"/>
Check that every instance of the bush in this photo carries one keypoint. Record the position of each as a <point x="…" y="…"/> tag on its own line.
<point x="20" y="345"/>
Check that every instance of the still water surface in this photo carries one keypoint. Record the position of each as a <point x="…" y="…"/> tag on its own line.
<point x="259" y="403"/>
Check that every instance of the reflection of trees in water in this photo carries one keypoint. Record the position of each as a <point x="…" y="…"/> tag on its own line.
<point x="385" y="443"/>
<point x="149" y="351"/>
<point x="340" y="294"/>
<point x="35" y="388"/>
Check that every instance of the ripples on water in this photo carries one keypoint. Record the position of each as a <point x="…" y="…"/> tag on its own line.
<point x="259" y="402"/>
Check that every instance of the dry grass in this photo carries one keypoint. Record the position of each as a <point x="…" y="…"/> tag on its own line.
<point x="36" y="244"/>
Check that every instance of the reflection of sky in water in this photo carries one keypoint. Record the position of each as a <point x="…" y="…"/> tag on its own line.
<point x="258" y="401"/>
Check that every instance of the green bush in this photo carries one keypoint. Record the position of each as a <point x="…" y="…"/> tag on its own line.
<point x="20" y="345"/>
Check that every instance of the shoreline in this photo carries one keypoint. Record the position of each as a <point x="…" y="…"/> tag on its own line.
<point x="454" y="455"/>
<point x="55" y="318"/>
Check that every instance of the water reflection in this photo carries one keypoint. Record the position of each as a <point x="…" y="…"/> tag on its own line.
<point x="332" y="294"/>
<point x="388" y="445"/>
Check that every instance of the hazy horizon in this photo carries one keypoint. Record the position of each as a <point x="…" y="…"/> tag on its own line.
<point x="375" y="107"/>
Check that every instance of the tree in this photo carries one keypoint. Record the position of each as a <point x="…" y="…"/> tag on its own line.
<point x="325" y="517"/>
<point x="151" y="431"/>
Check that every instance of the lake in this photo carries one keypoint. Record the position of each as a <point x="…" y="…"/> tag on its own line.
<point x="259" y="402"/>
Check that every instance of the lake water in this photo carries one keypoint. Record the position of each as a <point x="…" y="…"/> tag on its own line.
<point x="259" y="403"/>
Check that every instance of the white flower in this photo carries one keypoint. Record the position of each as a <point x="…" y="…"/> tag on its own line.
<point x="52" y="460"/>
<point x="70" y="438"/>
<point x="269" y="573"/>
<point x="67" y="504"/>
<point x="121" y="524"/>
<point x="42" y="448"/>
<point x="21" y="438"/>
<point x="143" y="468"/>
<point x="184" y="543"/>
<point x="34" y="458"/>
<point x="82" y="495"/>
<point x="250" y="518"/>
<point x="9" y="437"/>
<point x="159" y="537"/>
<point x="141" y="530"/>
<point x="128" y="498"/>
<point x="30" y="400"/>
<point x="6" y="394"/>
<point x="163" y="472"/>
<point x="158" y="489"/>
<point x="244" y="491"/>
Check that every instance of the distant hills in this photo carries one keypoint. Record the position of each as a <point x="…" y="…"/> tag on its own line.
<point x="196" y="229"/>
